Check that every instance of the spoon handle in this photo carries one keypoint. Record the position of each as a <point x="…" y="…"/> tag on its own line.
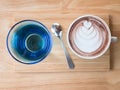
<point x="69" y="60"/>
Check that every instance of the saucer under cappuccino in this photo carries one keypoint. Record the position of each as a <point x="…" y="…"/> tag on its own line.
<point x="89" y="37"/>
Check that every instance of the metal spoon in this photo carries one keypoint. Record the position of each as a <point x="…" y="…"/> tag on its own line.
<point x="57" y="30"/>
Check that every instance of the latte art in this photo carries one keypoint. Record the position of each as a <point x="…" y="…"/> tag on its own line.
<point x="88" y="36"/>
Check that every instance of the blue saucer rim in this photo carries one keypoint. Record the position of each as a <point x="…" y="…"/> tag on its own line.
<point x="39" y="60"/>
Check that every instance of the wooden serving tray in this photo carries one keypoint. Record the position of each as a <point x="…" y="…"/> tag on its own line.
<point x="56" y="61"/>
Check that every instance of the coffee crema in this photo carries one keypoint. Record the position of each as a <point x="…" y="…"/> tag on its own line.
<point x="88" y="36"/>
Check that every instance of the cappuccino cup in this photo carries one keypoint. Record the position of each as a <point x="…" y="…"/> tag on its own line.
<point x="89" y="37"/>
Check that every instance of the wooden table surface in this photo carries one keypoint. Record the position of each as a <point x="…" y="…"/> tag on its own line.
<point x="13" y="10"/>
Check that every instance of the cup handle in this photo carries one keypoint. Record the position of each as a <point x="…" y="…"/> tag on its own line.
<point x="114" y="39"/>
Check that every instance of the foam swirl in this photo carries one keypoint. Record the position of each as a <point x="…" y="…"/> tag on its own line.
<point x="88" y="37"/>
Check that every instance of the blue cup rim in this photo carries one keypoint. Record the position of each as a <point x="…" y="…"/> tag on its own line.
<point x="36" y="61"/>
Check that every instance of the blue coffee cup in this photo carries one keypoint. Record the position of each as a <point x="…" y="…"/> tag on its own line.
<point x="29" y="42"/>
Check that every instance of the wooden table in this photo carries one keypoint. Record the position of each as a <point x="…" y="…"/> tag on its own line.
<point x="13" y="9"/>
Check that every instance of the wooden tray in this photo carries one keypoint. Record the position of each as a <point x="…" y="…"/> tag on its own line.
<point x="56" y="61"/>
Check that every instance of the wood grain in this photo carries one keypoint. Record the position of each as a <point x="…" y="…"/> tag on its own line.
<point x="10" y="80"/>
